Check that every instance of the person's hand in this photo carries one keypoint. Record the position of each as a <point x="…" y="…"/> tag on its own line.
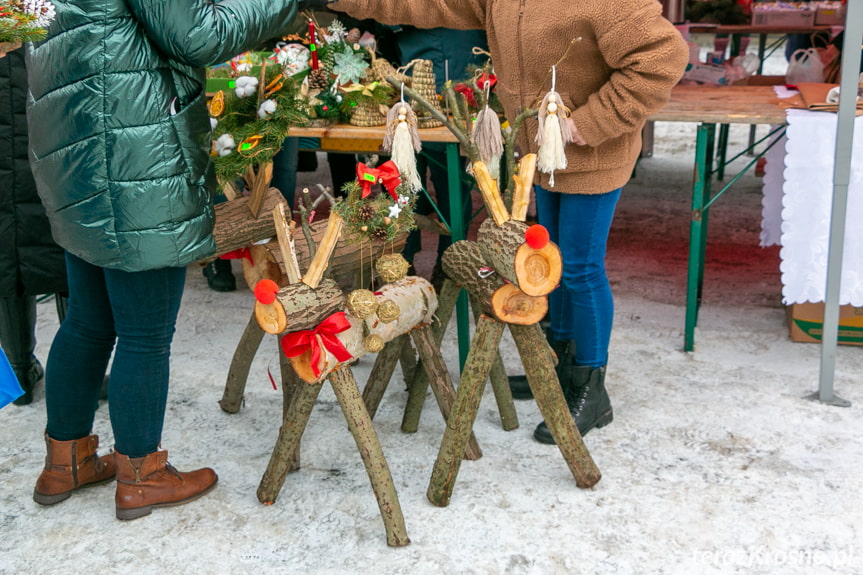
<point x="576" y="135"/>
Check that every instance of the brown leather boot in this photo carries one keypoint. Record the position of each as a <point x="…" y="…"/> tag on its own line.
<point x="150" y="481"/>
<point x="70" y="465"/>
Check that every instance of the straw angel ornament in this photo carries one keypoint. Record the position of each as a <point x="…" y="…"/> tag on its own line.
<point x="553" y="133"/>
<point x="402" y="142"/>
<point x="487" y="135"/>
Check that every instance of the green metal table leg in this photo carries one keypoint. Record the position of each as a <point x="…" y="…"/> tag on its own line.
<point x="698" y="229"/>
<point x="456" y="207"/>
<point x="723" y="151"/>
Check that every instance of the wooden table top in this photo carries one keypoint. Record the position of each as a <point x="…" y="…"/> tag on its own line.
<point x="697" y="28"/>
<point x="724" y="105"/>
<point x="715" y="105"/>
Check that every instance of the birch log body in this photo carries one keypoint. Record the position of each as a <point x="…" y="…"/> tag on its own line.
<point x="236" y="228"/>
<point x="298" y="306"/>
<point x="536" y="272"/>
<point x="417" y="301"/>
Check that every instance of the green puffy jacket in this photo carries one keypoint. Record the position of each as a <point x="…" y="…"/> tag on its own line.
<point x="119" y="128"/>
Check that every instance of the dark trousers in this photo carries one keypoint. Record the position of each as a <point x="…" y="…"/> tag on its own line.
<point x="138" y="312"/>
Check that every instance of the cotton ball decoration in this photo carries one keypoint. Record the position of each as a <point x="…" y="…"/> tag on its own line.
<point x="246" y="86"/>
<point x="266" y="109"/>
<point x="224" y="145"/>
<point x="213" y="123"/>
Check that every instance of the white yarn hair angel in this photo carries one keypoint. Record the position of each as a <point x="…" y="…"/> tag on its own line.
<point x="402" y="142"/>
<point x="553" y="133"/>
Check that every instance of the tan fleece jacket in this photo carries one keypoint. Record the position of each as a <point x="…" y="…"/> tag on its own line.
<point x="623" y="61"/>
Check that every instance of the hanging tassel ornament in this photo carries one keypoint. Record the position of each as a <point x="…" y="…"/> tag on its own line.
<point x="488" y="137"/>
<point x="402" y="142"/>
<point x="553" y="133"/>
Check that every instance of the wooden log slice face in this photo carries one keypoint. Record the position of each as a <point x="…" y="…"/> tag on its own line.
<point x="511" y="305"/>
<point x="538" y="270"/>
<point x="271" y="317"/>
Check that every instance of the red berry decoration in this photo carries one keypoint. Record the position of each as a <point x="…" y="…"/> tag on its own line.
<point x="265" y="291"/>
<point x="536" y="236"/>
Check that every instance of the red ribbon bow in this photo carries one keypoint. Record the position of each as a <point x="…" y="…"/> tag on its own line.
<point x="387" y="174"/>
<point x="238" y="254"/>
<point x="483" y="78"/>
<point x="299" y="342"/>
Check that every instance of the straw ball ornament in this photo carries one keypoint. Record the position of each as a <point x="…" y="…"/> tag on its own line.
<point x="388" y="311"/>
<point x="361" y="303"/>
<point x="373" y="343"/>
<point x="392" y="267"/>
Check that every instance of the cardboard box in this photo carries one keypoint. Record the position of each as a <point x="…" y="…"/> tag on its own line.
<point x="805" y="323"/>
<point x="705" y="74"/>
<point x="830" y="16"/>
<point x="786" y="17"/>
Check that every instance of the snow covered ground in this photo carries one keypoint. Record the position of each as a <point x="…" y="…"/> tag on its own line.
<point x="715" y="463"/>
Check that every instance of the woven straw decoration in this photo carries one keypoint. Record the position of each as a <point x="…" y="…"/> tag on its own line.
<point x="367" y="114"/>
<point x="423" y="83"/>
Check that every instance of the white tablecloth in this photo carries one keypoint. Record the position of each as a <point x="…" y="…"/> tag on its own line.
<point x="804" y="191"/>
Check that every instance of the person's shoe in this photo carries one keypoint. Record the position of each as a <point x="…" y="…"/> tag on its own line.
<point x="587" y="399"/>
<point x="220" y="276"/>
<point x="145" y="483"/>
<point x="71" y="465"/>
<point x="28" y="376"/>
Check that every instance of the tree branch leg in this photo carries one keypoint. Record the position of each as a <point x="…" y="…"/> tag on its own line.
<point x="460" y="422"/>
<point x="543" y="382"/>
<point x="382" y="372"/>
<point x="238" y="373"/>
<point x="441" y="383"/>
<point x="360" y="425"/>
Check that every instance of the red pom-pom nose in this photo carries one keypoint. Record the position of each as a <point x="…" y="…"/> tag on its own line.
<point x="265" y="291"/>
<point x="536" y="236"/>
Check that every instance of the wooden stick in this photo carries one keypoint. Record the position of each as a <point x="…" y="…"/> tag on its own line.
<point x="499" y="381"/>
<point x="523" y="186"/>
<point x="490" y="194"/>
<point x="543" y="382"/>
<point x="419" y="383"/>
<point x="382" y="373"/>
<point x="322" y="257"/>
<point x="294" y="424"/>
<point x="363" y="432"/>
<point x="238" y="373"/>
<point x="441" y="383"/>
<point x="459" y="427"/>
<point x="285" y="235"/>
<point x="260" y="183"/>
<point x="290" y="389"/>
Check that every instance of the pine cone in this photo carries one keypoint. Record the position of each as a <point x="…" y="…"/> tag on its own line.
<point x="366" y="212"/>
<point x="379" y="235"/>
<point x="319" y="79"/>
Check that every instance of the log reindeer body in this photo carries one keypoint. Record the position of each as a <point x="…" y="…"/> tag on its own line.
<point x="414" y="296"/>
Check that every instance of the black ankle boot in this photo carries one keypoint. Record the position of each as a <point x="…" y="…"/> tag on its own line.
<point x="18" y="338"/>
<point x="586" y="397"/>
<point x="518" y="383"/>
<point x="219" y="275"/>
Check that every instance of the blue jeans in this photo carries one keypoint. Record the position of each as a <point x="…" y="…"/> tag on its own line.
<point x="582" y="307"/>
<point x="138" y="311"/>
<point x="285" y="170"/>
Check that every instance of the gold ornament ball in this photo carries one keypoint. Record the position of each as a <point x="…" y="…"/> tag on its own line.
<point x="392" y="267"/>
<point x="388" y="311"/>
<point x="373" y="343"/>
<point x="361" y="303"/>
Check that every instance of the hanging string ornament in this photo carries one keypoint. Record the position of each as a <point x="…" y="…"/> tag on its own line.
<point x="487" y="135"/>
<point x="402" y="142"/>
<point x="361" y="303"/>
<point x="553" y="133"/>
